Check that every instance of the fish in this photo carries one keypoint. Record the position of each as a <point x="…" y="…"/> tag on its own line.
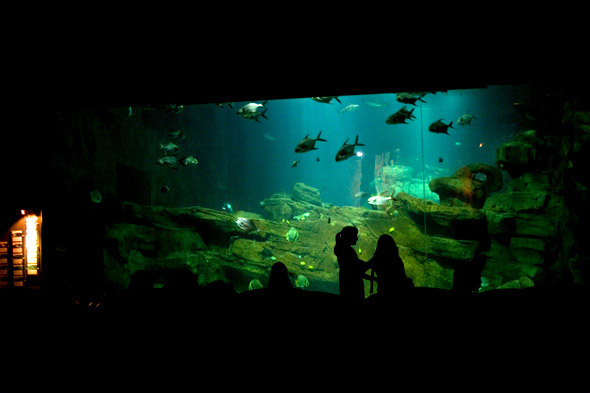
<point x="190" y="160"/>
<point x="401" y="116"/>
<point x="95" y="196"/>
<point x="301" y="282"/>
<point x="361" y="194"/>
<point x="326" y="99"/>
<point x="440" y="159"/>
<point x="221" y="104"/>
<point x="347" y="150"/>
<point x="246" y="225"/>
<point x="380" y="200"/>
<point x="177" y="135"/>
<point x="227" y="207"/>
<point x="348" y="108"/>
<point x="268" y="135"/>
<point x="174" y="108"/>
<point x="407" y="98"/>
<point x="465" y="120"/>
<point x="292" y="235"/>
<point x="294" y="164"/>
<point x="317" y="159"/>
<point x="308" y="144"/>
<point x="376" y="103"/>
<point x="169" y="148"/>
<point x="250" y="111"/>
<point x="168" y="161"/>
<point x="438" y="127"/>
<point x="164" y="189"/>
<point x="302" y="217"/>
<point x="130" y="111"/>
<point x="254" y="284"/>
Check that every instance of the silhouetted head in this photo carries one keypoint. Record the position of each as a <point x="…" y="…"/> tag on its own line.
<point x="386" y="246"/>
<point x="348" y="236"/>
<point x="279" y="277"/>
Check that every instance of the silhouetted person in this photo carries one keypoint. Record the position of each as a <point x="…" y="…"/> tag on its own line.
<point x="467" y="275"/>
<point x="352" y="269"/>
<point x="389" y="267"/>
<point x="278" y="281"/>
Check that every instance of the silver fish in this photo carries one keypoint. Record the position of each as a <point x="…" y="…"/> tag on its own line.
<point x="400" y="116"/>
<point x="169" y="148"/>
<point x="246" y="224"/>
<point x="250" y="111"/>
<point x="407" y="98"/>
<point x="168" y="161"/>
<point x="465" y="120"/>
<point x="178" y="135"/>
<point x="190" y="160"/>
<point x="348" y="108"/>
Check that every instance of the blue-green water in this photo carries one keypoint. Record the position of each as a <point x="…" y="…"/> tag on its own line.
<point x="244" y="161"/>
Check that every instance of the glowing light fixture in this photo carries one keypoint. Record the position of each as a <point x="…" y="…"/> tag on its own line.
<point x="359" y="153"/>
<point x="31" y="244"/>
<point x="22" y="212"/>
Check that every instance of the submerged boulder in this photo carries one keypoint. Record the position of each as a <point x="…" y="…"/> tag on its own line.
<point x="304" y="193"/>
<point x="465" y="187"/>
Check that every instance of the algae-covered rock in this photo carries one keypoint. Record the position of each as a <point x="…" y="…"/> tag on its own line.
<point x="304" y="193"/>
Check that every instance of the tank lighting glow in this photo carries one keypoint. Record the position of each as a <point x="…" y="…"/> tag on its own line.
<point x="31" y="244"/>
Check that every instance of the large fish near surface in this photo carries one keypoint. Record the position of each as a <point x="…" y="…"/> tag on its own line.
<point x="308" y="144"/>
<point x="401" y="116"/>
<point x="407" y="98"/>
<point x="438" y="127"/>
<point x="326" y="99"/>
<point x="347" y="150"/>
<point x="169" y="148"/>
<point x="250" y="111"/>
<point x="168" y="161"/>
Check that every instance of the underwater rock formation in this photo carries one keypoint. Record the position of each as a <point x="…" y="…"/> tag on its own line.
<point x="465" y="188"/>
<point x="520" y="155"/>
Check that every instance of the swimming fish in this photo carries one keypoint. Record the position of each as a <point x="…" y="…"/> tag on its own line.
<point x="190" y="160"/>
<point x="177" y="135"/>
<point x="294" y="164"/>
<point x="400" y="116"/>
<point x="95" y="196"/>
<point x="250" y="111"/>
<point x="407" y="98"/>
<point x="292" y="235"/>
<point x="326" y="99"/>
<point x="246" y="224"/>
<point x="169" y="148"/>
<point x="348" y="108"/>
<point x="168" y="161"/>
<point x="164" y="189"/>
<point x="347" y="150"/>
<point x="465" y="120"/>
<point x="376" y="103"/>
<point x="361" y="194"/>
<point x="308" y="144"/>
<point x="379" y="200"/>
<point x="438" y="127"/>
<point x="254" y="284"/>
<point x="301" y="282"/>
<point x="302" y="217"/>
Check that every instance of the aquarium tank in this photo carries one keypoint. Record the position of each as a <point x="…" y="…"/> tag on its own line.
<point x="221" y="191"/>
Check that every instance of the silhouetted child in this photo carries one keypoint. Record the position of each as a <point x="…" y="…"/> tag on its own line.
<point x="389" y="267"/>
<point x="352" y="269"/>
<point x="278" y="280"/>
<point x="467" y="275"/>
